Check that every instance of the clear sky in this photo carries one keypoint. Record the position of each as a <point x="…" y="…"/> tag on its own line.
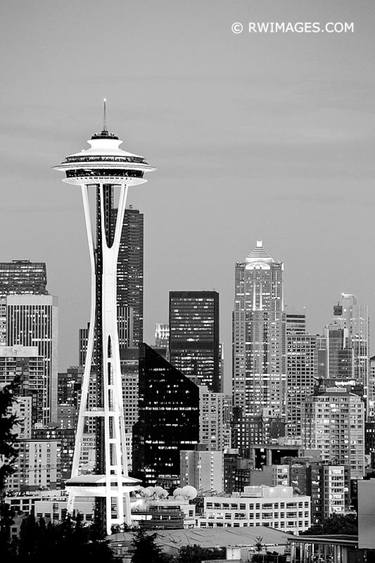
<point x="254" y="136"/>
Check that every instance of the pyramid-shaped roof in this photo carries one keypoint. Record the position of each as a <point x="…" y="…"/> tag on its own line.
<point x="258" y="257"/>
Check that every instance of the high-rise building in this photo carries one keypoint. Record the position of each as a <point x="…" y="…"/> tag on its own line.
<point x="105" y="171"/>
<point x="65" y="438"/>
<point x="168" y="420"/>
<point x="211" y="419"/>
<point x="125" y="320"/>
<point x="295" y="322"/>
<point x="259" y="341"/>
<point x="203" y="470"/>
<point x="162" y="335"/>
<point x="194" y="336"/>
<point x="32" y="321"/>
<point x="68" y="392"/>
<point x="22" y="276"/>
<point x="339" y="362"/>
<point x="327" y="486"/>
<point x="130" y="270"/>
<point x="253" y="429"/>
<point x="36" y="467"/>
<point x="333" y="421"/>
<point x="237" y="472"/>
<point x="357" y="323"/>
<point x="371" y="390"/>
<point x="302" y="370"/>
<point x="24" y="364"/>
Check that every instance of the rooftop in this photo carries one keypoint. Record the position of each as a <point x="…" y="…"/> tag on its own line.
<point x="259" y="257"/>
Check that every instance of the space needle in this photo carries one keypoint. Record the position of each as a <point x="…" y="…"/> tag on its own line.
<point x="104" y="171"/>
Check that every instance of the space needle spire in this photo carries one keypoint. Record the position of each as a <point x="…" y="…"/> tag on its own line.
<point x="108" y="171"/>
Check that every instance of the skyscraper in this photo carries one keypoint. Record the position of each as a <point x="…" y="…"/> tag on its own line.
<point x="162" y="335"/>
<point x="356" y="320"/>
<point x="108" y="171"/>
<point x="194" y="336"/>
<point x="130" y="271"/>
<point x="302" y="370"/>
<point x="333" y="421"/>
<point x="259" y="343"/>
<point x="168" y="420"/>
<point x="23" y="276"/>
<point x="32" y="320"/>
<point x="26" y="365"/>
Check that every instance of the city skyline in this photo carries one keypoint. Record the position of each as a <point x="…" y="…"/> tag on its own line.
<point x="279" y="127"/>
<point x="187" y="370"/>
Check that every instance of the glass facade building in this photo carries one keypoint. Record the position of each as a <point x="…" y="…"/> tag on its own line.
<point x="168" y="420"/>
<point x="130" y="273"/>
<point x="194" y="336"/>
<point x="23" y="276"/>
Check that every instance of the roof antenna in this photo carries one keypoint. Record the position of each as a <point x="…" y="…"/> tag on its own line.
<point x="105" y="115"/>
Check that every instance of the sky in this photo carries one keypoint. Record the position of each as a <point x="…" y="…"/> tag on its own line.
<point x="254" y="136"/>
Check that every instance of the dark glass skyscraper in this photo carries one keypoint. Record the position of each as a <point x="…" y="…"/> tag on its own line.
<point x="194" y="336"/>
<point x="22" y="276"/>
<point x="130" y="271"/>
<point x="168" y="420"/>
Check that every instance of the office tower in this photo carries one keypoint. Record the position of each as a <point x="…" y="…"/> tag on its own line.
<point x="130" y="271"/>
<point x="162" y="335"/>
<point x="130" y="392"/>
<point x="253" y="429"/>
<point x="36" y="467"/>
<point x="356" y="319"/>
<point x="259" y="342"/>
<point x="32" y="321"/>
<point x="333" y="421"/>
<point x="194" y="336"/>
<point x="106" y="172"/>
<point x="295" y="322"/>
<point x="325" y="484"/>
<point x="236" y="472"/>
<point x="347" y="344"/>
<point x="168" y="420"/>
<point x="22" y="276"/>
<point x="227" y="422"/>
<point x="203" y="470"/>
<point x="65" y="439"/>
<point x="371" y="390"/>
<point x="302" y="370"/>
<point x="211" y="419"/>
<point x="68" y="393"/>
<point x="125" y="325"/>
<point x="24" y="364"/>
<point x="339" y="354"/>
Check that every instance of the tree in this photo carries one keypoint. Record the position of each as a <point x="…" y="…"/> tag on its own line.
<point x="69" y="540"/>
<point x="258" y="543"/>
<point x="8" y="454"/>
<point x="335" y="524"/>
<point x="196" y="554"/>
<point x="146" y="549"/>
<point x="8" y="437"/>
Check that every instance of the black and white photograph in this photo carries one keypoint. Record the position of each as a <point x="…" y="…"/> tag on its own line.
<point x="187" y="295"/>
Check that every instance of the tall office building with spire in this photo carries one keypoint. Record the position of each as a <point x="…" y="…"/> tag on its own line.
<point x="259" y="338"/>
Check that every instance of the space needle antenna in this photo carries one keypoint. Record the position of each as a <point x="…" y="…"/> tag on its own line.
<point x="105" y="114"/>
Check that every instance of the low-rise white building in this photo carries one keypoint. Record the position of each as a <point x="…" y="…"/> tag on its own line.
<point x="274" y="507"/>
